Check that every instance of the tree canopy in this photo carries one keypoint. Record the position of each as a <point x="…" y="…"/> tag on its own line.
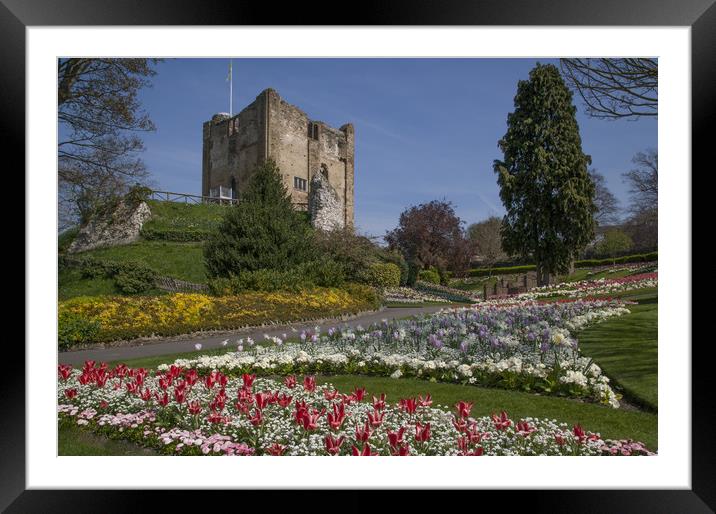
<point x="486" y="240"/>
<point x="544" y="180"/>
<point x="100" y="119"/>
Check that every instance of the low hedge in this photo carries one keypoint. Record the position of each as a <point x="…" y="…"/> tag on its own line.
<point x="130" y="277"/>
<point x="85" y="320"/>
<point x="176" y="235"/>
<point x="429" y="275"/>
<point x="382" y="274"/>
<point x="586" y="263"/>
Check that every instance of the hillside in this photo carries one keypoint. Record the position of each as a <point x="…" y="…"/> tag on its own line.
<point x="171" y="243"/>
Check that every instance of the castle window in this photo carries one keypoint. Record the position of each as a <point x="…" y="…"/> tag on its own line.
<point x="300" y="183"/>
<point x="312" y="130"/>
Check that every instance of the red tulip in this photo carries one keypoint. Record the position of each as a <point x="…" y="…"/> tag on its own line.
<point x="400" y="451"/>
<point x="501" y="422"/>
<point x="216" y="417"/>
<point x="132" y="387"/>
<point x="425" y="402"/>
<point x="70" y="393"/>
<point x="290" y="381"/>
<point x="335" y="419"/>
<point x="165" y="382"/>
<point x="524" y="429"/>
<point x="396" y="438"/>
<point x="284" y="401"/>
<point x="257" y="418"/>
<point x="333" y="445"/>
<point x="579" y="433"/>
<point x="463" y="408"/>
<point x="88" y="365"/>
<point x="359" y="393"/>
<point x="409" y="405"/>
<point x="262" y="400"/>
<point x="376" y="418"/>
<point x="120" y="370"/>
<point x="422" y="432"/>
<point x="330" y="395"/>
<point x="179" y="394"/>
<point x="162" y="400"/>
<point x="242" y="407"/>
<point x="276" y="449"/>
<point x="365" y="452"/>
<point x="310" y="420"/>
<point x="559" y="439"/>
<point x="363" y="433"/>
<point x="379" y="403"/>
<point x="103" y="404"/>
<point x="65" y="370"/>
<point x="146" y="394"/>
<point x="460" y="424"/>
<point x="194" y="408"/>
<point x="476" y="452"/>
<point x="175" y="371"/>
<point x="191" y="377"/>
<point x="248" y="379"/>
<point x="309" y="383"/>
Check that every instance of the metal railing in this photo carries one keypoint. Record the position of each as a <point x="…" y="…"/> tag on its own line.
<point x="167" y="196"/>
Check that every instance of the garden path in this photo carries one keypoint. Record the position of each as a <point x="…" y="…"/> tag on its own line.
<point x="186" y="343"/>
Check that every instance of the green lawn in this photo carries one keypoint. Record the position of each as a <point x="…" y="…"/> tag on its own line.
<point x="73" y="440"/>
<point x="626" y="349"/>
<point x="184" y="261"/>
<point x="170" y="216"/>
<point x="72" y="284"/>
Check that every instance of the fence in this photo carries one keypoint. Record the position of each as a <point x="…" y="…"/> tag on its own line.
<point x="166" y="196"/>
<point x="179" y="286"/>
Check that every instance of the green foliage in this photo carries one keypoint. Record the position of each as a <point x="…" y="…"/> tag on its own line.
<point x="262" y="231"/>
<point x="130" y="277"/>
<point x="382" y="274"/>
<point x="322" y="273"/>
<point x="137" y="194"/>
<point x="641" y="257"/>
<point x="544" y="181"/>
<point x="397" y="259"/>
<point x="64" y="240"/>
<point x="429" y="275"/>
<point x="73" y="329"/>
<point x="353" y="252"/>
<point x="484" y="272"/>
<point x="135" y="280"/>
<point x="413" y="272"/>
<point x="173" y="221"/>
<point x="614" y="242"/>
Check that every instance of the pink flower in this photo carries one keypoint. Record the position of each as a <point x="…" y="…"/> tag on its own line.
<point x="333" y="445"/>
<point x="463" y="408"/>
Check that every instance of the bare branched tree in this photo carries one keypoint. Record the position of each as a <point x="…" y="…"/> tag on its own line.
<point x="615" y="88"/>
<point x="607" y="204"/>
<point x="100" y="118"/>
<point x="643" y="223"/>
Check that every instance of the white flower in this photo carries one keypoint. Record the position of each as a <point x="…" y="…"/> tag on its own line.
<point x="197" y="346"/>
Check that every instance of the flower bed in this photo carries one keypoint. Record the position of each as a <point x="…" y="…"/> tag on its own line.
<point x="132" y="317"/>
<point x="179" y="412"/>
<point x="603" y="286"/>
<point x="449" y="293"/>
<point x="409" y="295"/>
<point x="525" y="346"/>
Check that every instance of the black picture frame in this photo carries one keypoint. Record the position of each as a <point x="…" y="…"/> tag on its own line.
<point x="700" y="15"/>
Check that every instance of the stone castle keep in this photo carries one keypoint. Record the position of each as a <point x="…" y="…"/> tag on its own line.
<point x="316" y="160"/>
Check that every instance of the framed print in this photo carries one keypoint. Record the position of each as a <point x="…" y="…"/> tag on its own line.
<point x="432" y="234"/>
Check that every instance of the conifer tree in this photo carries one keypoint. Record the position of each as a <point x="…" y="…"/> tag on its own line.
<point x="543" y="177"/>
<point x="263" y="231"/>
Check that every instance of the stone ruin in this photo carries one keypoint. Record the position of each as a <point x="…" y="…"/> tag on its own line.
<point x="120" y="226"/>
<point x="324" y="204"/>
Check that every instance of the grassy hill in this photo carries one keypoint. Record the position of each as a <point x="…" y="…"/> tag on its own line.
<point x="171" y="243"/>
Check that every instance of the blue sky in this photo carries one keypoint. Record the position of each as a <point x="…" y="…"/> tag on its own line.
<point x="425" y="128"/>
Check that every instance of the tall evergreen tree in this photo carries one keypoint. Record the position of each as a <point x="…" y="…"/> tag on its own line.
<point x="263" y="231"/>
<point x="544" y="179"/>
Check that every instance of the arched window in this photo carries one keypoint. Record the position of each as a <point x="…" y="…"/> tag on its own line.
<point x="234" y="194"/>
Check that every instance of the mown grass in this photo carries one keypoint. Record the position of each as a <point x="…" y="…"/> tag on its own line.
<point x="184" y="261"/>
<point x="72" y="284"/>
<point x="180" y="216"/>
<point x="72" y="440"/>
<point x="626" y="348"/>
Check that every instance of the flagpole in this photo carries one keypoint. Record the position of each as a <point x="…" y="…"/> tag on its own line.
<point x="231" y="88"/>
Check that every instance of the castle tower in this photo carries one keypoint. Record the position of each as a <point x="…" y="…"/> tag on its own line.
<point x="272" y="128"/>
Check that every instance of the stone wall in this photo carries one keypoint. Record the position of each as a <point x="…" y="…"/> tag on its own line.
<point x="324" y="204"/>
<point x="272" y="128"/>
<point x="118" y="227"/>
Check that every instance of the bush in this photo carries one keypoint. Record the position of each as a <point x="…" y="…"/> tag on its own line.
<point x="429" y="275"/>
<point x="413" y="271"/>
<point x="353" y="252"/>
<point x="73" y="329"/>
<point x="65" y="239"/>
<point x="263" y="231"/>
<point x="642" y="257"/>
<point x="134" y="280"/>
<point x="397" y="259"/>
<point x="382" y="274"/>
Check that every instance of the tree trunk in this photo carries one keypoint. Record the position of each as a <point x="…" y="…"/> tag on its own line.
<point x="543" y="276"/>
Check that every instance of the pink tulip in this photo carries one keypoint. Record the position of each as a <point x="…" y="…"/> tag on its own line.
<point x="309" y="383"/>
<point x="290" y="381"/>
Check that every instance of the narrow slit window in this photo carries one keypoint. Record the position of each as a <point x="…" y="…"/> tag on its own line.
<point x="300" y="183"/>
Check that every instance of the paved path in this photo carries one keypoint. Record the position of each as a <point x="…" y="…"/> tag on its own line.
<point x="186" y="343"/>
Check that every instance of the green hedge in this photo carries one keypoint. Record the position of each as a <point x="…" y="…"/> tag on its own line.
<point x="429" y="275"/>
<point x="176" y="235"/>
<point x="587" y="263"/>
<point x="381" y="274"/>
<point x="130" y="277"/>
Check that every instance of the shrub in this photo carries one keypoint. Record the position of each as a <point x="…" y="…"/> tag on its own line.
<point x="134" y="280"/>
<point x="73" y="329"/>
<point x="382" y="274"/>
<point x="263" y="231"/>
<point x="413" y="271"/>
<point x="397" y="259"/>
<point x="353" y="252"/>
<point x="64" y="240"/>
<point x="429" y="275"/>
